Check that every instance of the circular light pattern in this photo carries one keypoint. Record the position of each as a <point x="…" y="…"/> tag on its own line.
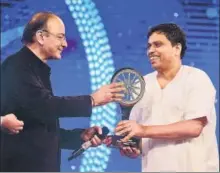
<point x="101" y="68"/>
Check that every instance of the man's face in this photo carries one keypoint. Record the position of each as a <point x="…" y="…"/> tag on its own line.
<point x="160" y="51"/>
<point x="54" y="40"/>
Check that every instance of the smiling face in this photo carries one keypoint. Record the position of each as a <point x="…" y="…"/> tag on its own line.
<point x="54" y="38"/>
<point x="162" y="54"/>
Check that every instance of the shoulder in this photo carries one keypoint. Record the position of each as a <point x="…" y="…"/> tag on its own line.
<point x="196" y="74"/>
<point x="12" y="60"/>
<point x="14" y="63"/>
<point x="193" y="71"/>
<point x="198" y="78"/>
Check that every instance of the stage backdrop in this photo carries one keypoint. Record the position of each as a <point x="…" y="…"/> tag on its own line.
<point x="104" y="36"/>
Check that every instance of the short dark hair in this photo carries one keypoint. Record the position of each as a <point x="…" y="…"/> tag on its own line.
<point x="37" y="22"/>
<point x="173" y="33"/>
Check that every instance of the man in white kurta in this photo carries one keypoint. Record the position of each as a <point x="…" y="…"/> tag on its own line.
<point x="189" y="95"/>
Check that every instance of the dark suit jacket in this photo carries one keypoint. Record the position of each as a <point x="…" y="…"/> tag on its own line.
<point x="26" y="91"/>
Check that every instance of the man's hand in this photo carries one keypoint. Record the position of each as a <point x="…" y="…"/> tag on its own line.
<point x="108" y="93"/>
<point x="107" y="141"/>
<point x="11" y="123"/>
<point x="131" y="152"/>
<point x="129" y="128"/>
<point x="90" y="134"/>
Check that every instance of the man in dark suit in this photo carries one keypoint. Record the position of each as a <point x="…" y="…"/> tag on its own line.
<point x="26" y="91"/>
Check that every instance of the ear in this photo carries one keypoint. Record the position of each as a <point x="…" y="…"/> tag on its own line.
<point x="39" y="37"/>
<point x="178" y="49"/>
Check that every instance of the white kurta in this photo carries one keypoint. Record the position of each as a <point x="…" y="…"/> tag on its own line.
<point x="189" y="95"/>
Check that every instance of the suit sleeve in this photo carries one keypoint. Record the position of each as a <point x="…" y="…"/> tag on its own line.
<point x="70" y="139"/>
<point x="28" y="92"/>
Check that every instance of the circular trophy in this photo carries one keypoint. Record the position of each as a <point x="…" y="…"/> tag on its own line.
<point x="135" y="88"/>
<point x="134" y="84"/>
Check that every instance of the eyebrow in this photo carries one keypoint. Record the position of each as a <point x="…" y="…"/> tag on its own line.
<point x="62" y="34"/>
<point x="154" y="42"/>
<point x="45" y="30"/>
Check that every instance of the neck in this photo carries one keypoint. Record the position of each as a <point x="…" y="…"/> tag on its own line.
<point x="169" y="73"/>
<point x="37" y="51"/>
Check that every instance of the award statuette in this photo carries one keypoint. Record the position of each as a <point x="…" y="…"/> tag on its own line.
<point x="135" y="88"/>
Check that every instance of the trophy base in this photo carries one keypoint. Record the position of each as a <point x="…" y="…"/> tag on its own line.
<point x="117" y="143"/>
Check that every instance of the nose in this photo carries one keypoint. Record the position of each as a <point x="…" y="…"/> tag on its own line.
<point x="150" y="50"/>
<point x="64" y="43"/>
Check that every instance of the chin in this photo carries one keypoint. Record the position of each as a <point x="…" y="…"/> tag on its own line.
<point x="155" y="66"/>
<point x="57" y="57"/>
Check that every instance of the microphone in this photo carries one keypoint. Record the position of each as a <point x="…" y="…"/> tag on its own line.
<point x="88" y="144"/>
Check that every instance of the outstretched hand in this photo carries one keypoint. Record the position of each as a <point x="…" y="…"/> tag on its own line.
<point x="108" y="93"/>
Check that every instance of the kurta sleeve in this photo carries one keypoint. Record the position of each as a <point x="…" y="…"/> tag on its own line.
<point x="201" y="97"/>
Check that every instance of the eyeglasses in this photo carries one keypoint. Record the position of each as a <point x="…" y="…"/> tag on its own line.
<point x="60" y="37"/>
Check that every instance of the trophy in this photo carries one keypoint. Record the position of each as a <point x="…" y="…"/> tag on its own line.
<point x="135" y="88"/>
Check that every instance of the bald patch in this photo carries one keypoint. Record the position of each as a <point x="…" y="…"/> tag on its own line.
<point x="56" y="26"/>
<point x="43" y="16"/>
<point x="53" y="22"/>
